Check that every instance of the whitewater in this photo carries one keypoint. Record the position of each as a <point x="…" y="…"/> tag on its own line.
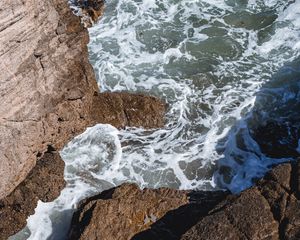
<point x="224" y="67"/>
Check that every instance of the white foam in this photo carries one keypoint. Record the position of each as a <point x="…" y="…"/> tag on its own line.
<point x="209" y="81"/>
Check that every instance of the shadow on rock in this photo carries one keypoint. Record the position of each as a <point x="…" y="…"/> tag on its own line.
<point x="268" y="135"/>
<point x="176" y="222"/>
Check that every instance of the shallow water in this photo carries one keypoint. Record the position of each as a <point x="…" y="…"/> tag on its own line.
<point x="223" y="67"/>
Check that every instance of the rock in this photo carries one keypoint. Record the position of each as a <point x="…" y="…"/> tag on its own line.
<point x="15" y="208"/>
<point x="49" y="95"/>
<point x="91" y="10"/>
<point x="122" y="212"/>
<point x="247" y="216"/>
<point x="46" y="179"/>
<point x="46" y="84"/>
<point x="278" y="140"/>
<point x="269" y="210"/>
<point x="125" y="109"/>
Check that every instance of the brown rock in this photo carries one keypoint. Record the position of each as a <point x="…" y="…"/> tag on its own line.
<point x="269" y="210"/>
<point x="91" y="10"/>
<point x="247" y="216"/>
<point x="46" y="83"/>
<point x="15" y="208"/>
<point x="125" y="109"/>
<point x="122" y="212"/>
<point x="49" y="94"/>
<point x="46" y="179"/>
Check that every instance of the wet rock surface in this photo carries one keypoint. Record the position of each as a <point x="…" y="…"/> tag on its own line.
<point x="46" y="179"/>
<point x="278" y="140"/>
<point x="16" y="207"/>
<point x="269" y="210"/>
<point x="91" y="10"/>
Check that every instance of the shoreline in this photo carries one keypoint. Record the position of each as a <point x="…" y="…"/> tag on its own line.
<point x="68" y="101"/>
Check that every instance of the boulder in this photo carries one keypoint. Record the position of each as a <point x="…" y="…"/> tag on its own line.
<point x="268" y="210"/>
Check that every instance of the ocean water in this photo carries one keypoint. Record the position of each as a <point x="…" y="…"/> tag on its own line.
<point x="228" y="70"/>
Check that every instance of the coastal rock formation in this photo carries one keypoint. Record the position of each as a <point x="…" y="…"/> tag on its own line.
<point x="269" y="210"/>
<point x="89" y="10"/>
<point x="46" y="83"/>
<point x="46" y="179"/>
<point x="15" y="208"/>
<point x="122" y="212"/>
<point x="128" y="110"/>
<point x="49" y="95"/>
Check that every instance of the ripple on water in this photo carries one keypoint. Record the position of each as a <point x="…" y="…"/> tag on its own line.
<point x="214" y="63"/>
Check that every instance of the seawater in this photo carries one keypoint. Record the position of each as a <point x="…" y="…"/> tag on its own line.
<point x="223" y="68"/>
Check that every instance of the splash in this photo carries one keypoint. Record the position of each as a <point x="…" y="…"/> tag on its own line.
<point x="214" y="63"/>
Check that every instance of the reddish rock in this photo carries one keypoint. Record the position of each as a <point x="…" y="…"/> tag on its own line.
<point x="125" y="109"/>
<point x="46" y="84"/>
<point x="122" y="212"/>
<point x="49" y="95"/>
<point x="91" y="10"/>
<point x="16" y="207"/>
<point x="269" y="210"/>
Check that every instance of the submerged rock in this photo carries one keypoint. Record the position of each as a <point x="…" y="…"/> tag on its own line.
<point x="269" y="210"/>
<point x="278" y="140"/>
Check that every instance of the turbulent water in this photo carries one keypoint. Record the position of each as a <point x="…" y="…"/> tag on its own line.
<point x="225" y="68"/>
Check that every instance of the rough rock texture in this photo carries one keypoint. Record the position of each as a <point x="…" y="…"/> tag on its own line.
<point x="269" y="210"/>
<point x="122" y="212"/>
<point x="15" y="208"/>
<point x="46" y="179"/>
<point x="124" y="109"/>
<point x="48" y="88"/>
<point x="46" y="83"/>
<point x="91" y="10"/>
<point x="49" y="94"/>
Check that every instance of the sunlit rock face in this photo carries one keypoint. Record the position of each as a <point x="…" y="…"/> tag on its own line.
<point x="47" y="83"/>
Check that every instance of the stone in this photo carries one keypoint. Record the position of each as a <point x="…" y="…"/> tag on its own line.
<point x="268" y="210"/>
<point x="16" y="207"/>
<point x="46" y="84"/>
<point x="122" y="212"/>
<point x="49" y="95"/>
<point x="91" y="11"/>
<point x="277" y="140"/>
<point x="128" y="110"/>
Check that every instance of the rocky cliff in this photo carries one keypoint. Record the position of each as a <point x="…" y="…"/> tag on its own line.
<point x="46" y="83"/>
<point x="49" y="94"/>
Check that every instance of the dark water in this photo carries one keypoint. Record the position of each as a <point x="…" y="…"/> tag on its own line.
<point x="229" y="71"/>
